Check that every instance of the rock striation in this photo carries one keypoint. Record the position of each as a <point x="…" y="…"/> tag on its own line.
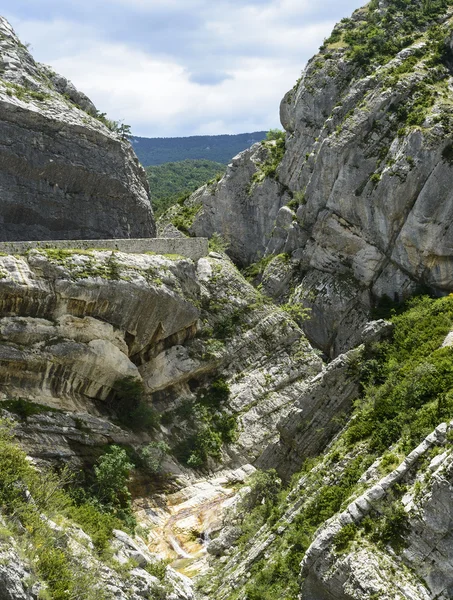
<point x="64" y="173"/>
<point x="75" y="322"/>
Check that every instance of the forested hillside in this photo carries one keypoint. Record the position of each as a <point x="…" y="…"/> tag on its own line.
<point x="218" y="148"/>
<point x="170" y="180"/>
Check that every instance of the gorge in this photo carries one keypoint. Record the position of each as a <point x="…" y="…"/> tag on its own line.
<point x="269" y="419"/>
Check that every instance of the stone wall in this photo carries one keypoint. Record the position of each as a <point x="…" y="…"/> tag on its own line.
<point x="194" y="248"/>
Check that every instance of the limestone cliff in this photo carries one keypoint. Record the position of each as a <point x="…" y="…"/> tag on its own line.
<point x="351" y="206"/>
<point x="74" y="323"/>
<point x="63" y="173"/>
<point x="361" y="197"/>
<point x="371" y="516"/>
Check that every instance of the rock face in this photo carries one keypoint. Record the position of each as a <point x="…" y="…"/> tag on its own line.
<point x="427" y="549"/>
<point x="254" y="206"/>
<point x="365" y="177"/>
<point x="64" y="174"/>
<point x="74" y="323"/>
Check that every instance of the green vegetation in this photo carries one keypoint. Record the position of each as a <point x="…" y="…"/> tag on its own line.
<point x="296" y="312"/>
<point x="89" y="267"/>
<point x="278" y="577"/>
<point x="408" y="384"/>
<point x="44" y="546"/>
<point x="297" y="200"/>
<point x="216" y="148"/>
<point x="130" y="406"/>
<point x="116" y="126"/>
<point x="110" y="490"/>
<point x="414" y="111"/>
<point x="24" y="408"/>
<point x="275" y="144"/>
<point x="390" y="528"/>
<point x="217" y="243"/>
<point x="152" y="456"/>
<point x="185" y="215"/>
<point x="275" y="134"/>
<point x="24" y="93"/>
<point x="169" y="181"/>
<point x="344" y="537"/>
<point x="382" y="34"/>
<point x="157" y="569"/>
<point x="212" y="425"/>
<point x="256" y="269"/>
<point x="407" y="391"/>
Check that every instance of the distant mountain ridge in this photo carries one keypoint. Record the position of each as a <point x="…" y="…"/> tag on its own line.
<point x="217" y="148"/>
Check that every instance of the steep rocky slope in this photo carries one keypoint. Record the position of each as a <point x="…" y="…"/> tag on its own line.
<point x="64" y="174"/>
<point x="360" y="195"/>
<point x="220" y="364"/>
<point x="74" y="324"/>
<point x="371" y="516"/>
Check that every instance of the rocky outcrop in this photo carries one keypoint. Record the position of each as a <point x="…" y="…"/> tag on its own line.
<point x="64" y="173"/>
<point x="129" y="581"/>
<point x="255" y="207"/>
<point x="74" y="323"/>
<point x="15" y="574"/>
<point x="427" y="552"/>
<point x="315" y="416"/>
<point x="315" y="566"/>
<point x="365" y="177"/>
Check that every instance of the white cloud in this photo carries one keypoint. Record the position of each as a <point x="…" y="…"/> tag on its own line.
<point x="158" y="97"/>
<point x="226" y="72"/>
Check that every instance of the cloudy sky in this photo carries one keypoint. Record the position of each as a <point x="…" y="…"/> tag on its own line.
<point x="179" y="67"/>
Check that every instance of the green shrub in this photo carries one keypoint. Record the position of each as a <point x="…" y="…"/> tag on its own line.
<point x="112" y="471"/>
<point x="276" y="153"/>
<point x="185" y="216"/>
<point x="54" y="564"/>
<point x="297" y="200"/>
<point x="130" y="406"/>
<point x="213" y="426"/>
<point x="297" y="312"/>
<point x="97" y="524"/>
<point x="152" y="456"/>
<point x="383" y="33"/>
<point x="256" y="269"/>
<point x="265" y="486"/>
<point x="215" y="395"/>
<point x="217" y="243"/>
<point x="158" y="569"/>
<point x="275" y="134"/>
<point x="407" y="384"/>
<point x="54" y="568"/>
<point x="344" y="537"/>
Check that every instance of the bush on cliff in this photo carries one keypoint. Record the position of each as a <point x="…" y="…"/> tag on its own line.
<point x="130" y="406"/>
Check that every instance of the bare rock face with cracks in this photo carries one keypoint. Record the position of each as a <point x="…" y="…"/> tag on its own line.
<point x="66" y="172"/>
<point x="358" y="194"/>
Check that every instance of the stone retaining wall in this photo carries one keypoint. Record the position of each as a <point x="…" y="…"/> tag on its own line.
<point x="193" y="248"/>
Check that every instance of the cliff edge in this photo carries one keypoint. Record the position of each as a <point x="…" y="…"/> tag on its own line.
<point x="357" y="192"/>
<point x="66" y="172"/>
